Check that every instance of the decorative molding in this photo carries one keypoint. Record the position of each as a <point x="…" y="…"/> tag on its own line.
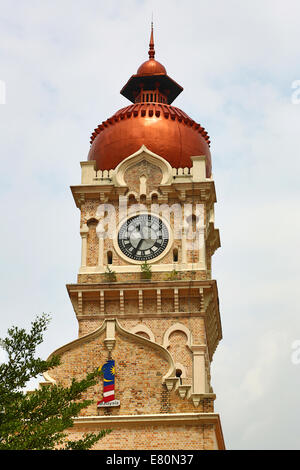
<point x="80" y="303"/>
<point x="184" y="391"/>
<point x="213" y="241"/>
<point x="176" y="300"/>
<point x="142" y="154"/>
<point x="142" y="328"/>
<point x="208" y="302"/>
<point x="102" y="302"/>
<point x="122" y="303"/>
<point x="181" y="367"/>
<point x="134" y="194"/>
<point x="141" y="307"/>
<point x="135" y="268"/>
<point x="110" y="339"/>
<point x="139" y="263"/>
<point x="172" y="382"/>
<point x="158" y="301"/>
<point x="112" y="325"/>
<point x="73" y="344"/>
<point x="152" y="344"/>
<point x="177" y="327"/>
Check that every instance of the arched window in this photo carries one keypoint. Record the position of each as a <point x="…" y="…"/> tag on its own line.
<point x="175" y="255"/>
<point x="109" y="257"/>
<point x="92" y="222"/>
<point x="131" y="199"/>
<point x="154" y="198"/>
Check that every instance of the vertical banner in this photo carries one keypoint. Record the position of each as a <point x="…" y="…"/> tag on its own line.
<point x="109" y="371"/>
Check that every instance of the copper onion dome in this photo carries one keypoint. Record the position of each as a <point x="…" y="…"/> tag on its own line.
<point x="150" y="121"/>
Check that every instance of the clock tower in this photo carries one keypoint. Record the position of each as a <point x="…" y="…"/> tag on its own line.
<point x="146" y="304"/>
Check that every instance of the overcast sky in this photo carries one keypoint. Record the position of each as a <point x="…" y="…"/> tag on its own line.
<point x="64" y="63"/>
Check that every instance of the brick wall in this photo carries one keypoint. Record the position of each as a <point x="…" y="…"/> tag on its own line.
<point x="151" y="437"/>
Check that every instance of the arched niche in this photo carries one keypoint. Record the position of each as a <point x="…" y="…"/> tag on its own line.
<point x="141" y="328"/>
<point x="177" y="327"/>
<point x="143" y="154"/>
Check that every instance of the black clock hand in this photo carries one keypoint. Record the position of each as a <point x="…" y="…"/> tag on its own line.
<point x="138" y="246"/>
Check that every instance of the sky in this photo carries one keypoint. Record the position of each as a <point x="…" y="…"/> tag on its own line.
<point x="63" y="63"/>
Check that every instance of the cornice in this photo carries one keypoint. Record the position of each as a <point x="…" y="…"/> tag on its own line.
<point x="136" y="284"/>
<point x="208" y="299"/>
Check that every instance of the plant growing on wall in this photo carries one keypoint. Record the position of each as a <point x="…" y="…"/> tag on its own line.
<point x="173" y="275"/>
<point x="146" y="271"/>
<point x="110" y="275"/>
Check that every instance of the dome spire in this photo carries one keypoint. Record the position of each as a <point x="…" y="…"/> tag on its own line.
<point x="151" y="82"/>
<point x="151" y="44"/>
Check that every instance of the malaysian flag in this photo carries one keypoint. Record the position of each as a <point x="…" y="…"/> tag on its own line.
<point x="108" y="370"/>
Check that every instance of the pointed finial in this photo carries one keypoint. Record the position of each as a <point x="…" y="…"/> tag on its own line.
<point x="151" y="44"/>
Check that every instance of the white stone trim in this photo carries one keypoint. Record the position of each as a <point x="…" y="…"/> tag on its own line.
<point x="177" y="327"/>
<point x="135" y="268"/>
<point x="84" y="234"/>
<point x="180" y="366"/>
<point x="161" y="417"/>
<point x="112" y="325"/>
<point x="142" y="154"/>
<point x="141" y="327"/>
<point x="151" y="261"/>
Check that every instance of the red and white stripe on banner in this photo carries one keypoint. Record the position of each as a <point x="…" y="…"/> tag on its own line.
<point x="108" y="393"/>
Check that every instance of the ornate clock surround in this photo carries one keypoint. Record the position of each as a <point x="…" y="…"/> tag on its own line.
<point x="155" y="259"/>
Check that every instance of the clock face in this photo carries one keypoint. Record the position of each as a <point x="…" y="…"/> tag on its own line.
<point x="143" y="237"/>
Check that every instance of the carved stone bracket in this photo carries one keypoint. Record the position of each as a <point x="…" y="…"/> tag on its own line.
<point x="172" y="383"/>
<point x="110" y="339"/>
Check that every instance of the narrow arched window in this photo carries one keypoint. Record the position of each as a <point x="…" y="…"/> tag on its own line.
<point x="154" y="198"/>
<point x="132" y="200"/>
<point x="109" y="257"/>
<point x="179" y="375"/>
<point x="175" y="255"/>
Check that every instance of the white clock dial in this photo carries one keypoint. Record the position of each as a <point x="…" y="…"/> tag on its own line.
<point x="143" y="237"/>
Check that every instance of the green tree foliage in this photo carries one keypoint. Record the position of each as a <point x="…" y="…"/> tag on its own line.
<point x="38" y="420"/>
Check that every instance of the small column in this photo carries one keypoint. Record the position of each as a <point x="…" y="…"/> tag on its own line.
<point x="158" y="300"/>
<point x="201" y="236"/>
<point x="199" y="372"/>
<point x="141" y="308"/>
<point x="88" y="172"/>
<point x="122" y="303"/>
<point x="143" y="185"/>
<point x="84" y="233"/>
<point x="101" y="249"/>
<point x="184" y="247"/>
<point x="176" y="301"/>
<point x="201" y="248"/>
<point x="110" y="335"/>
<point x="201" y="303"/>
<point x="102" y="304"/>
<point x="79" y="303"/>
<point x="199" y="168"/>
